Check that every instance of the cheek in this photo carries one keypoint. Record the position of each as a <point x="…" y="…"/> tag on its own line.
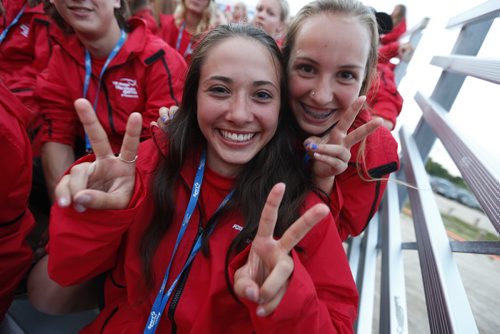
<point x="296" y="88"/>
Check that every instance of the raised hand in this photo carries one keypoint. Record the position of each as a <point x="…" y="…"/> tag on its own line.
<point x="264" y="278"/>
<point x="108" y="182"/>
<point x="165" y="116"/>
<point x="331" y="153"/>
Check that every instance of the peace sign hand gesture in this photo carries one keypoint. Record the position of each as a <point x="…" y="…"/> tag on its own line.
<point x="264" y="278"/>
<point x="331" y="153"/>
<point x="108" y="182"/>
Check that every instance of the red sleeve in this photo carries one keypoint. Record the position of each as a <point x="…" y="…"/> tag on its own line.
<point x="321" y="296"/>
<point x="361" y="200"/>
<point x="362" y="190"/>
<point x="56" y="97"/>
<point x="395" y="33"/>
<point x="94" y="235"/>
<point x="384" y="98"/>
<point x="16" y="221"/>
<point x="15" y="157"/>
<point x="164" y="85"/>
<point x="387" y="52"/>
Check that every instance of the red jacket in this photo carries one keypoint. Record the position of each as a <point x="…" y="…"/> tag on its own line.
<point x="147" y="15"/>
<point x="16" y="220"/>
<point x="169" y="32"/>
<point x="321" y="296"/>
<point x="24" y="52"/>
<point x="395" y="33"/>
<point x="145" y="75"/>
<point x="383" y="96"/>
<point x="354" y="200"/>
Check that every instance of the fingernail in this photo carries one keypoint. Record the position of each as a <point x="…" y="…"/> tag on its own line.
<point x="261" y="312"/>
<point x="83" y="199"/>
<point x="314" y="146"/>
<point x="79" y="208"/>
<point x="63" y="202"/>
<point x="251" y="295"/>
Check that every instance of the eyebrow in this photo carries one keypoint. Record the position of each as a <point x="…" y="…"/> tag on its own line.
<point x="348" y="66"/>
<point x="228" y="80"/>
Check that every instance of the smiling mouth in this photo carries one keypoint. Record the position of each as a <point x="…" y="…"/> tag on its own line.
<point x="237" y="137"/>
<point x="79" y="9"/>
<point x="319" y="115"/>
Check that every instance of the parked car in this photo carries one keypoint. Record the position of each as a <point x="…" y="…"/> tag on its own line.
<point x="444" y="187"/>
<point x="467" y="198"/>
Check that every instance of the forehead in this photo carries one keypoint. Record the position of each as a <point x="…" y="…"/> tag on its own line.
<point x="242" y="57"/>
<point x="342" y="34"/>
<point x="273" y="4"/>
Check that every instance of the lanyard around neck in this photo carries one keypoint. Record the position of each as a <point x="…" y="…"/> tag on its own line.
<point x="162" y="297"/>
<point x="189" y="49"/>
<point x="13" y="23"/>
<point x="88" y="74"/>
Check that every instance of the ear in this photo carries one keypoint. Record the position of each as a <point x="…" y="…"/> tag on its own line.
<point x="116" y="4"/>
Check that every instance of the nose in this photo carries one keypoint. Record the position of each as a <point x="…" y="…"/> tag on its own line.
<point x="239" y="111"/>
<point x="323" y="92"/>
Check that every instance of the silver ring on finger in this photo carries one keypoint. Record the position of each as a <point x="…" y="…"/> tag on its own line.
<point x="127" y="161"/>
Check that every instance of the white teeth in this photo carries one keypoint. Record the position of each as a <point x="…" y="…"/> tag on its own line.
<point x="317" y="115"/>
<point x="237" y="137"/>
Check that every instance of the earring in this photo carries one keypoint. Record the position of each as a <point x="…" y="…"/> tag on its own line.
<point x="313" y="93"/>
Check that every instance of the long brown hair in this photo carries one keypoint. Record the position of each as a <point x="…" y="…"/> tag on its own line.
<point x="276" y="162"/>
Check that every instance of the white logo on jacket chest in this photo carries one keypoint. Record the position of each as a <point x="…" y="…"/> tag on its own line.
<point x="128" y="87"/>
<point x="25" y="30"/>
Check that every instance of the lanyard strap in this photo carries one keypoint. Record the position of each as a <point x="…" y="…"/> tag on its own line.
<point x="162" y="298"/>
<point x="88" y="74"/>
<point x="6" y="30"/>
<point x="189" y="49"/>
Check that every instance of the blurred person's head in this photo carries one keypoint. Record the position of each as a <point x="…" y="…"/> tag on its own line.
<point x="99" y="16"/>
<point x="398" y="13"/>
<point x="271" y="16"/>
<point x="239" y="12"/>
<point x="201" y="10"/>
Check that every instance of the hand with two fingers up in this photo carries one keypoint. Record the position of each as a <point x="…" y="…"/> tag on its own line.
<point x="108" y="182"/>
<point x="264" y="278"/>
<point x="331" y="153"/>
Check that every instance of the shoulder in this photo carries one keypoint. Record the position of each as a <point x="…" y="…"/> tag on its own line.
<point x="152" y="150"/>
<point x="167" y="20"/>
<point x="153" y="48"/>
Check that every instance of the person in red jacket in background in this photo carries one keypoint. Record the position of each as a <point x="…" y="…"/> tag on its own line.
<point x="144" y="10"/>
<point x="191" y="18"/>
<point x="398" y="17"/>
<point x="383" y="97"/>
<point x="181" y="223"/>
<point x="351" y="155"/>
<point x="120" y="66"/>
<point x="25" y="50"/>
<point x="16" y="220"/>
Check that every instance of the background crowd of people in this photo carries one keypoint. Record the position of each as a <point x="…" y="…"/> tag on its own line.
<point x="263" y="101"/>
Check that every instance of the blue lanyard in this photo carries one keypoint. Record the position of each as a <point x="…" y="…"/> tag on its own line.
<point x="162" y="297"/>
<point x="88" y="74"/>
<point x="6" y="30"/>
<point x="189" y="49"/>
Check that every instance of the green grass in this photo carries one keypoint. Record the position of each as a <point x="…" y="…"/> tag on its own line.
<point x="467" y="231"/>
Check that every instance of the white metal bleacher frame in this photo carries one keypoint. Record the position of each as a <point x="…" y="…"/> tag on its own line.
<point x="447" y="304"/>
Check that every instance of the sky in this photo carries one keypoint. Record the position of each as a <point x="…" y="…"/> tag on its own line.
<point x="476" y="110"/>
